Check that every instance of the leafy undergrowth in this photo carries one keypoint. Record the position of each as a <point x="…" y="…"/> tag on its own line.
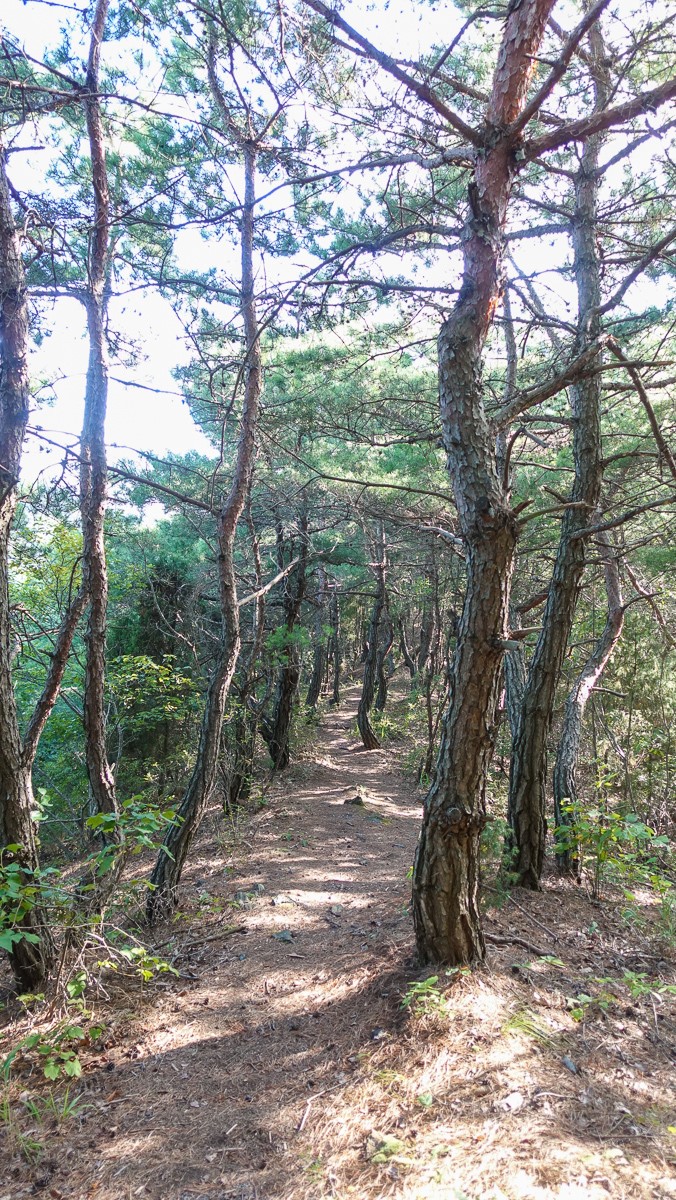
<point x="298" y="1053"/>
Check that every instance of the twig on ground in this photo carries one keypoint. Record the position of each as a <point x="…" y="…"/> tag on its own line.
<point x="516" y="941"/>
<point x="214" y="937"/>
<point x="310" y="1101"/>
<point x="543" y="927"/>
<point x="201" y="941"/>
<point x="301" y="1124"/>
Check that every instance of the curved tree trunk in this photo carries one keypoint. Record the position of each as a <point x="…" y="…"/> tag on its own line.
<point x="167" y="872"/>
<point x="516" y="674"/>
<point x="280" y="730"/>
<point x="429" y="674"/>
<point x="243" y="731"/>
<point x="446" y="871"/>
<point x="565" y="791"/>
<point x="319" y="655"/>
<point x="336" y="646"/>
<point x="370" y="678"/>
<point x="32" y="953"/>
<point x="426" y="633"/>
<point x="409" y="662"/>
<point x="239" y="775"/>
<point x="277" y="732"/>
<point x="382" y="664"/>
<point x="528" y="773"/>
<point x="93" y="458"/>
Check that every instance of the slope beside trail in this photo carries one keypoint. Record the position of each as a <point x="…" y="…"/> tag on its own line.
<point x="281" y="1065"/>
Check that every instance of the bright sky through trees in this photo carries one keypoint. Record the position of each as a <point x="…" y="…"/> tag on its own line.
<point x="153" y="419"/>
<point x="152" y="415"/>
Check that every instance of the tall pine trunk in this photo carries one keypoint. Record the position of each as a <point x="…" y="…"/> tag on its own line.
<point x="565" y="767"/>
<point x="93" y="458"/>
<point x="31" y="948"/>
<point x="446" y="870"/>
<point x="335" y="645"/>
<point x="370" y="679"/>
<point x="169" y="866"/>
<point x="382" y="662"/>
<point x="277" y="732"/>
<point x="319" y="652"/>
<point x="243" y="732"/>
<point x="409" y="661"/>
<point x="528" y="771"/>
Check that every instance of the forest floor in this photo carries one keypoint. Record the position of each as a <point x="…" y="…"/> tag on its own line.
<point x="281" y="1065"/>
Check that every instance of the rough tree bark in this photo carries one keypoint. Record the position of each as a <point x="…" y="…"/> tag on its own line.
<point x="515" y="685"/>
<point x="528" y="769"/>
<point x="319" y="653"/>
<point x="167" y="872"/>
<point x="565" y="790"/>
<point x="370" y="677"/>
<point x="93" y="457"/>
<point x="429" y="668"/>
<point x="277" y="732"/>
<point x="446" y="871"/>
<point x="409" y="662"/>
<point x="335" y="645"/>
<point x="32" y="956"/>
<point x="384" y="664"/>
<point x="243" y="729"/>
<point x="425" y="638"/>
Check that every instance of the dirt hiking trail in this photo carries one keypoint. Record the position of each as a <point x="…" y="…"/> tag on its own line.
<point x="281" y="1065"/>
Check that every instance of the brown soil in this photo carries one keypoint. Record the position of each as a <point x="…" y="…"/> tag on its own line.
<point x="289" y="1070"/>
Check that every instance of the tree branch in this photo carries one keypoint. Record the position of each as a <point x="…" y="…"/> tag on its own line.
<point x="650" y="256"/>
<point x="622" y="520"/>
<point x="559" y="68"/>
<point x="261" y="591"/>
<point x="52" y="686"/>
<point x="643" y="397"/>
<point x="535" y="395"/>
<point x="422" y="90"/>
<point x="586" y="127"/>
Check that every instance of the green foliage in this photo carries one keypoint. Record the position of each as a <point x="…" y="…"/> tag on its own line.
<point x="19" y="893"/>
<point x="424" y="997"/>
<point x="56" y="1107"/>
<point x="282" y="643"/>
<point x="497" y="857"/>
<point x="144" y="964"/>
<point x="639" y="985"/>
<point x="609" y="993"/>
<point x="526" y="1023"/>
<point x="54" y="1051"/>
<point x="611" y="845"/>
<point x="22" y="889"/>
<point x="157" y="705"/>
<point x="583" y="1004"/>
<point x="28" y="1146"/>
<point x="149" y="692"/>
<point x="137" y="827"/>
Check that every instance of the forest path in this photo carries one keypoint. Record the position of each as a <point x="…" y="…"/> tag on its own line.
<point x="286" y="1068"/>
<point x="232" y="1063"/>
